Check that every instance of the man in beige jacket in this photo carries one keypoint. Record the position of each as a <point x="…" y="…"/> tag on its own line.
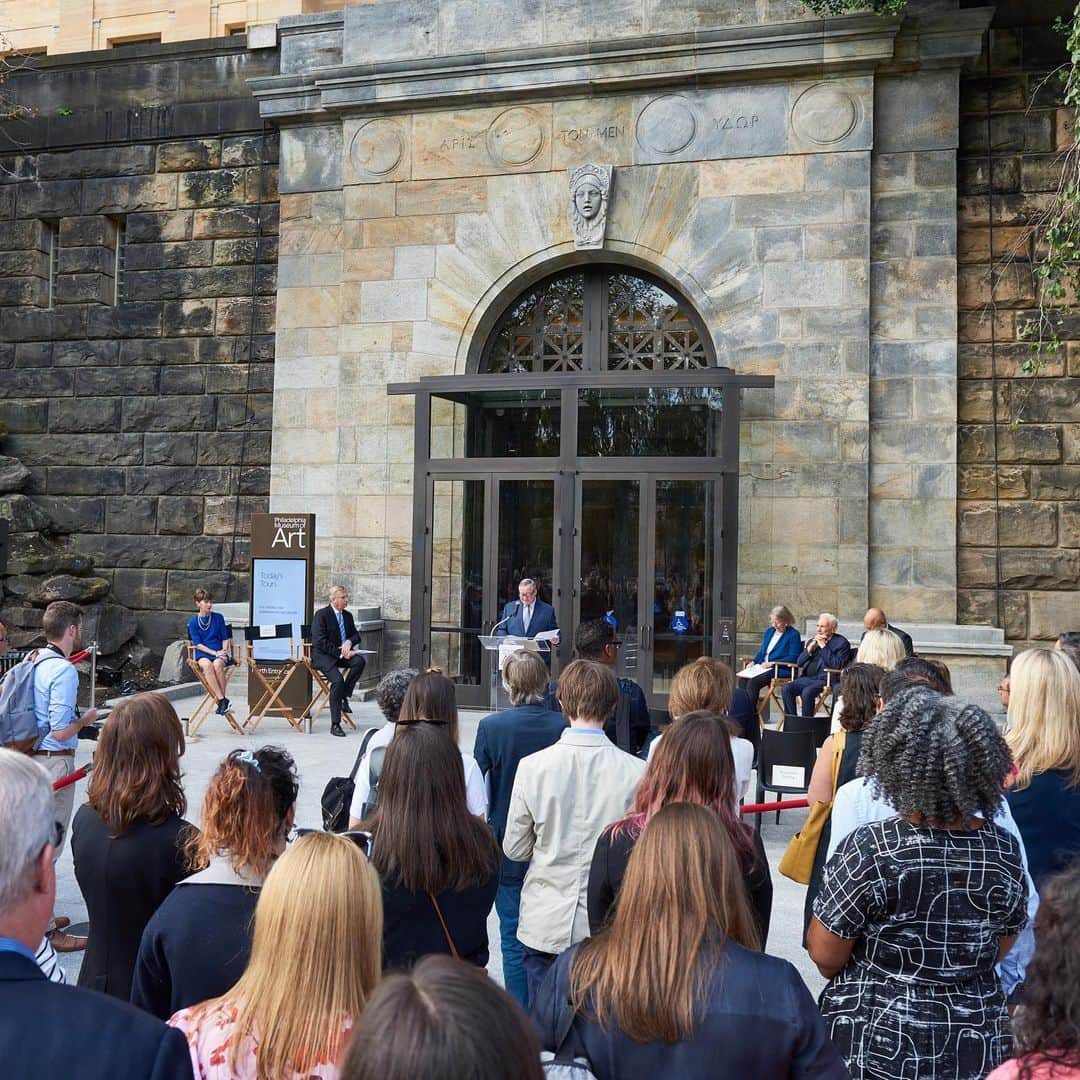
<point x="563" y="798"/>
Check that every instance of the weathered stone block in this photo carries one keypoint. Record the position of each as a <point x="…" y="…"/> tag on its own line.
<point x="183" y="380"/>
<point x="32" y="553"/>
<point x="125" y="194"/>
<point x="110" y="625"/>
<point x="151" y="228"/>
<point x="1055" y="482"/>
<point x="54" y="198"/>
<point x="1051" y="613"/>
<point x="14" y="475"/>
<point x="192" y="412"/>
<point x="143" y="589"/>
<point x="84" y="289"/>
<point x="124" y="321"/>
<point x="1019" y="525"/>
<point x="310" y="159"/>
<point x="231" y="221"/>
<point x="805" y="284"/>
<point x="187" y="317"/>
<point x="83" y="480"/>
<point x="84" y="414"/>
<point x="189" y="154"/>
<point x="935" y="240"/>
<point x="94" y="162"/>
<point x="213" y="187"/>
<point x="180" y="515"/>
<point x="79" y="590"/>
<point x="131" y="515"/>
<point x="1024" y="443"/>
<point x="1040" y="569"/>
<point x="22" y="514"/>
<point x="183" y="253"/>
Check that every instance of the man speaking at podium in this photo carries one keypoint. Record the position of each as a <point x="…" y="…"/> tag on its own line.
<point x="527" y="616"/>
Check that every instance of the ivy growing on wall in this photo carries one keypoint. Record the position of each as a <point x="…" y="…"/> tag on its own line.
<point x="825" y="8"/>
<point x="1057" y="232"/>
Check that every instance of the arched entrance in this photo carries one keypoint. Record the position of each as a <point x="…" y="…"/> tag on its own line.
<point x="595" y="449"/>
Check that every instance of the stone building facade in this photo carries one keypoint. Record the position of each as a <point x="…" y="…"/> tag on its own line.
<point x="801" y="185"/>
<point x="142" y="408"/>
<point x="1019" y="479"/>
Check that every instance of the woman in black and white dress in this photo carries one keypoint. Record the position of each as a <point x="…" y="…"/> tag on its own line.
<point x="915" y="911"/>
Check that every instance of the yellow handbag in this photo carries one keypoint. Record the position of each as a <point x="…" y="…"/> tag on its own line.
<point x="798" y="860"/>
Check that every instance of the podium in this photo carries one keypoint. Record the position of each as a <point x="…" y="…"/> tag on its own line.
<point x="501" y="647"/>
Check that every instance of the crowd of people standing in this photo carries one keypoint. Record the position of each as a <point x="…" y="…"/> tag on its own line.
<point x="634" y="902"/>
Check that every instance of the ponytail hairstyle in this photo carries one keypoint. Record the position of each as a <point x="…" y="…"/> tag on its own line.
<point x="245" y="811"/>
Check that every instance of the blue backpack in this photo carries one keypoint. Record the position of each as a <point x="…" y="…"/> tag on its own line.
<point x="19" y="727"/>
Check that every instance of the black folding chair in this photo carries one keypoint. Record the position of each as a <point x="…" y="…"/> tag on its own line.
<point x="818" y="726"/>
<point x="272" y="675"/>
<point x="794" y="754"/>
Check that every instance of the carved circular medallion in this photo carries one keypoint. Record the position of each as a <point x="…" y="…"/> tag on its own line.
<point x="824" y="115"/>
<point x="666" y="125"/>
<point x="377" y="147"/>
<point x="516" y="136"/>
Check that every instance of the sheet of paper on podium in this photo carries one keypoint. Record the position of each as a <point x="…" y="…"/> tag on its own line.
<point x="510" y="645"/>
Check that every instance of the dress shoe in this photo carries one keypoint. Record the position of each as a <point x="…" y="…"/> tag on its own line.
<point x="346" y="708"/>
<point x="62" y="942"/>
<point x="338" y="730"/>
<point x="59" y="922"/>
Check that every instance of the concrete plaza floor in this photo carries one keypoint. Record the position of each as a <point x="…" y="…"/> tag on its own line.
<point x="319" y="756"/>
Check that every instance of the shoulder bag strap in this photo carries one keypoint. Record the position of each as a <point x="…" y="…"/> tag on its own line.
<point x="445" y="929"/>
<point x="564" y="1052"/>
<point x="363" y="750"/>
<point x="839" y="742"/>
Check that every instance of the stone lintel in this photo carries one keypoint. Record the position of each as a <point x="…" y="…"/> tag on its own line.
<point x="777" y="51"/>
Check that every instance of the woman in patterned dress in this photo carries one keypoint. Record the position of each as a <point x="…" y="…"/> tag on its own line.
<point x="915" y="911"/>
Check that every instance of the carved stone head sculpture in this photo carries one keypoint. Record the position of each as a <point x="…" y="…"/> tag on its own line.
<point x="590" y="190"/>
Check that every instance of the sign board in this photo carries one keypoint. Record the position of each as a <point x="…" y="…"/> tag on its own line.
<point x="282" y="591"/>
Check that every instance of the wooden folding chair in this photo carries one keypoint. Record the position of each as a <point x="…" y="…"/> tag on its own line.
<point x="272" y="675"/>
<point x="773" y="691"/>
<point x="320" y="698"/>
<point x="827" y="697"/>
<point x="208" y="705"/>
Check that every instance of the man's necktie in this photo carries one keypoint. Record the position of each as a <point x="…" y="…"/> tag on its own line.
<point x="528" y="617"/>
<point x="341" y="626"/>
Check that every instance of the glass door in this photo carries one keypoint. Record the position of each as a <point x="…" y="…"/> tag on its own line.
<point x="681" y="554"/>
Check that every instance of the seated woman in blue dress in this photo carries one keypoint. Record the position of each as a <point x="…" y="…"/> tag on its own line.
<point x="780" y="642"/>
<point x="208" y="633"/>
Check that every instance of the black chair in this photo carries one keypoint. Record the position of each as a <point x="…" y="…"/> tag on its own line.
<point x="272" y="675"/>
<point x="818" y="726"/>
<point x="794" y="751"/>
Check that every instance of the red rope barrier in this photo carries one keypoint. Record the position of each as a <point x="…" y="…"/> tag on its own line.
<point x="72" y="778"/>
<point x="765" y="807"/>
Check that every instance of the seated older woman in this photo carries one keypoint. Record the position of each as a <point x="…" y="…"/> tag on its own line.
<point x="780" y="642"/>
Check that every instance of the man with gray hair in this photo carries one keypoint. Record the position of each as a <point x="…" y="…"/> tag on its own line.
<point x="502" y="740"/>
<point x="335" y="643"/>
<point x="527" y="616"/>
<point x="826" y="649"/>
<point x="50" y="1029"/>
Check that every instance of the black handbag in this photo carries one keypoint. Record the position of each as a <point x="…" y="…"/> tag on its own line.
<point x="338" y="793"/>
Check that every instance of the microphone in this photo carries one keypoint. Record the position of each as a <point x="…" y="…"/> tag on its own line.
<point x="517" y="608"/>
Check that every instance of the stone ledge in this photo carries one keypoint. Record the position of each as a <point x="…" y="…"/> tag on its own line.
<point x="855" y="43"/>
<point x="937" y="639"/>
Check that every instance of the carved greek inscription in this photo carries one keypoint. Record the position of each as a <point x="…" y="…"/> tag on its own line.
<point x="569" y="136"/>
<point x="461" y="142"/>
<point x="741" y="122"/>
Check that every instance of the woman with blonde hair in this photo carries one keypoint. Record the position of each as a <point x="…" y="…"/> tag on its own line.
<point x="315" y="959"/>
<point x="672" y="985"/>
<point x="197" y="943"/>
<point x="128" y="841"/>
<point x="706" y="685"/>
<point x="880" y="648"/>
<point x="1043" y="734"/>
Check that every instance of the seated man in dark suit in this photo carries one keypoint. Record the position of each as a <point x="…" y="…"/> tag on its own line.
<point x="876" y="619"/>
<point x="502" y="740"/>
<point x="48" y="1029"/>
<point x="826" y="649"/>
<point x="333" y="638"/>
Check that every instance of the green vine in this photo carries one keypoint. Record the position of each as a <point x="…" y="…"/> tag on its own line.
<point x="825" y="8"/>
<point x="1057" y="233"/>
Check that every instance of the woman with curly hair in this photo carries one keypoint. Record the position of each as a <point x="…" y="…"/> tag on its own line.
<point x="197" y="943"/>
<point x="1047" y="1030"/>
<point x="1044" y="734"/>
<point x="693" y="764"/>
<point x="915" y="911"/>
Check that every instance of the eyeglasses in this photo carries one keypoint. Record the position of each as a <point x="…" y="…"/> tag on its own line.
<point x="1003" y="689"/>
<point x="56" y="834"/>
<point x="360" y="837"/>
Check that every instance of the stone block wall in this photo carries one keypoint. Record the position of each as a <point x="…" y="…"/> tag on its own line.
<point x="144" y="415"/>
<point x="1018" y="487"/>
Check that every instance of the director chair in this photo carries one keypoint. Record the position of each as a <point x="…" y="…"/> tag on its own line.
<point x="783" y="673"/>
<point x="208" y="705"/>
<point x="827" y="698"/>
<point x="320" y="698"/>
<point x="272" y="675"/>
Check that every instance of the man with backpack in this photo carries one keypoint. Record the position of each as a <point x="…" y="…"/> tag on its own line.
<point x="55" y="684"/>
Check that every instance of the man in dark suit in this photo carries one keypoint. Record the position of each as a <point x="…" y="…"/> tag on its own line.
<point x="527" y="616"/>
<point x="876" y="619"/>
<point x="50" y="1029"/>
<point x="826" y="649"/>
<point x="334" y="638"/>
<point x="502" y="740"/>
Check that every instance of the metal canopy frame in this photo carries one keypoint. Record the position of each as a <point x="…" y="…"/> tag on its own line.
<point x="564" y="468"/>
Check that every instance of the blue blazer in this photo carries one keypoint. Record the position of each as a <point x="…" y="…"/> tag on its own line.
<point x="54" y="1030"/>
<point x="543" y="618"/>
<point x="787" y="648"/>
<point x="758" y="1020"/>
<point x="835" y="655"/>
